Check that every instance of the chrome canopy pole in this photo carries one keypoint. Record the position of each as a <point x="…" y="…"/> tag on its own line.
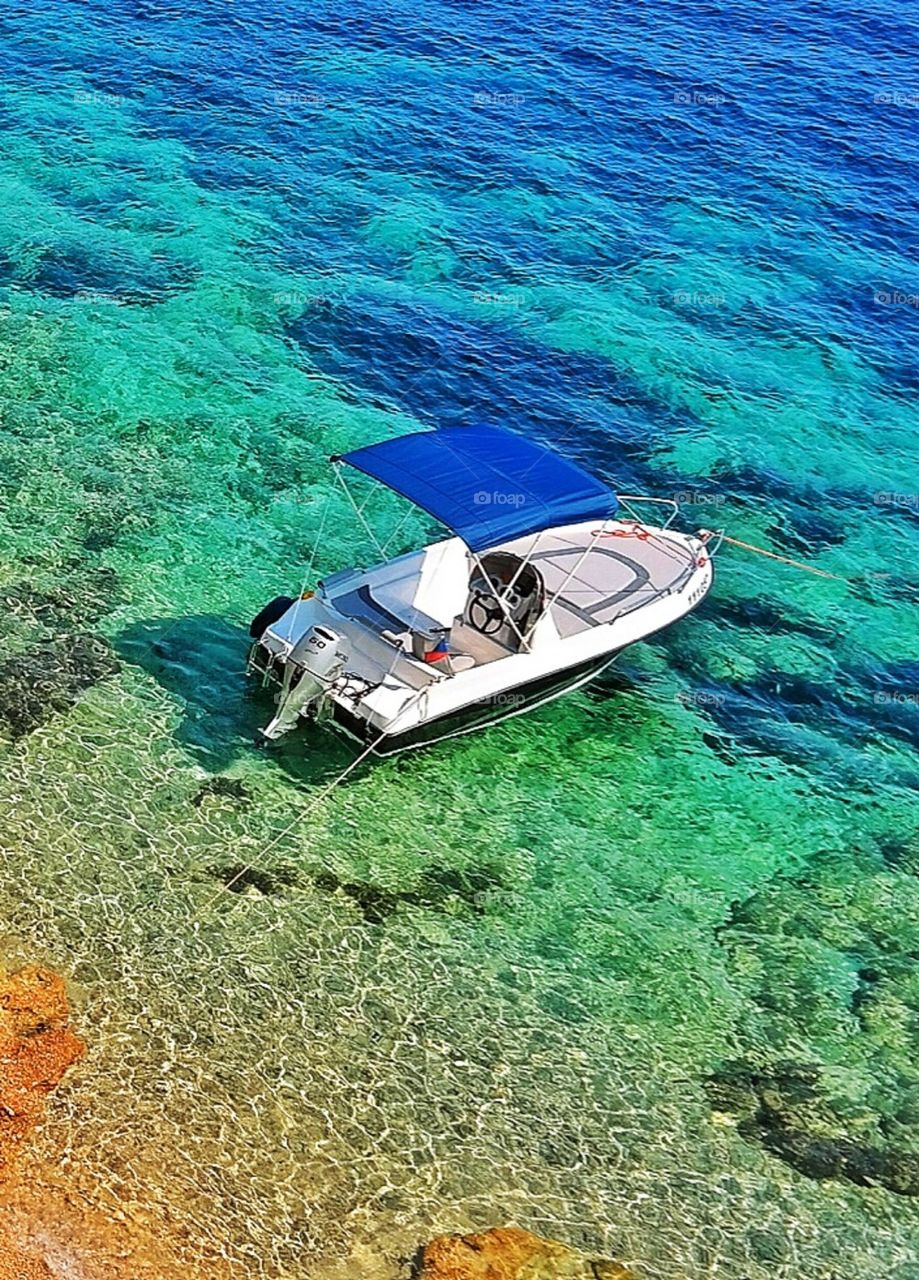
<point x="503" y="607"/>
<point x="357" y="510"/>
<point x="398" y="529"/>
<point x="580" y="560"/>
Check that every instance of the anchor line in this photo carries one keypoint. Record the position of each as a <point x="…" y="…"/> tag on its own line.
<point x="301" y="817"/>
<point x="796" y="564"/>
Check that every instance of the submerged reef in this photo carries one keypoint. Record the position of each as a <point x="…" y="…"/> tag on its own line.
<point x="49" y="679"/>
<point x="827" y="1079"/>
<point x="507" y="1253"/>
<point x="782" y="1108"/>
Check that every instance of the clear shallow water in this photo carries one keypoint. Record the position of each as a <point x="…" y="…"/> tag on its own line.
<point x="487" y="982"/>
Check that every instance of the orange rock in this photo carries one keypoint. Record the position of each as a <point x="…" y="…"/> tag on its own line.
<point x="507" y="1253"/>
<point x="32" y="999"/>
<point x="16" y="1265"/>
<point x="48" y="1230"/>
<point x="36" y="1048"/>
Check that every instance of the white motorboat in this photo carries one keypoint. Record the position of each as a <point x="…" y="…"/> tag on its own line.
<point x="545" y="577"/>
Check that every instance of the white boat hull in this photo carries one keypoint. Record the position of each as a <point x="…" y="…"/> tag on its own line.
<point x="629" y="590"/>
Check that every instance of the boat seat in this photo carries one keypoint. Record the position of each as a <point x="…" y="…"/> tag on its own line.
<point x="461" y="662"/>
<point x="362" y="604"/>
<point x="467" y="642"/>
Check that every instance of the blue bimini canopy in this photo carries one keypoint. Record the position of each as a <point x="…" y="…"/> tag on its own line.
<point x="487" y="485"/>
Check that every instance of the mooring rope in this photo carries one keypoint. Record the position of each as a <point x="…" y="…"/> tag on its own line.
<point x="315" y="800"/>
<point x="796" y="564"/>
<point x="286" y="831"/>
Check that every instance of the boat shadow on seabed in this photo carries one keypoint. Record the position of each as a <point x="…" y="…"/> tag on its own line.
<point x="200" y="660"/>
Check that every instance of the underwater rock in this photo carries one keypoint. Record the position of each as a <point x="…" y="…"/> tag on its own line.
<point x="782" y="1110"/>
<point x="16" y="1265"/>
<point x="36" y="1048"/>
<point x="507" y="1253"/>
<point x="822" y="1157"/>
<point x="49" y="1229"/>
<point x="225" y="788"/>
<point x="47" y="680"/>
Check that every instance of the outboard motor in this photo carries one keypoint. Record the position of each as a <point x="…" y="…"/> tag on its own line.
<point x="313" y="665"/>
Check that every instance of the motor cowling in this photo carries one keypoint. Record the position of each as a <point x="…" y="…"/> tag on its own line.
<point x="318" y="651"/>
<point x="313" y="665"/>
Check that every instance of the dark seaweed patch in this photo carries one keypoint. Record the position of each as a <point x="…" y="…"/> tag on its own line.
<point x="802" y="531"/>
<point x="830" y="957"/>
<point x="99" y="540"/>
<point x="222" y="788"/>
<point x="49" y="679"/>
<point x="613" y="681"/>
<point x="737" y="1087"/>
<point x="766" y="615"/>
<point x="780" y="1108"/>
<point x="439" y="885"/>
<point x="238" y="878"/>
<point x="798" y="502"/>
<point x="901" y="675"/>
<point x="438" y="888"/>
<point x="95" y="278"/>
<point x="815" y="723"/>
<point x="375" y="905"/>
<point x="720" y="745"/>
<point x="880" y="587"/>
<point x="496" y="374"/>
<point x="901" y="853"/>
<point x="79" y="599"/>
<point x="864" y="991"/>
<point x="819" y="1157"/>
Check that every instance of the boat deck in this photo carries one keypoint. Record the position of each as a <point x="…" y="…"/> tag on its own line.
<point x="618" y="574"/>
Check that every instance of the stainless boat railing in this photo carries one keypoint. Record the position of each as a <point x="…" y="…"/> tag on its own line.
<point x="626" y="498"/>
<point x="712" y="538"/>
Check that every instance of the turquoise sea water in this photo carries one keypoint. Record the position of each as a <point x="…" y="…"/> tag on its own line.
<point x="492" y="981"/>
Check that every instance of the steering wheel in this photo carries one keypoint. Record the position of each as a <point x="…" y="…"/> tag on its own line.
<point x="485" y="613"/>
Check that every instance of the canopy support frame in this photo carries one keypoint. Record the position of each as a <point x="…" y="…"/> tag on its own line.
<point x="597" y="535"/>
<point x="358" y="510"/>
<point x="524" y="639"/>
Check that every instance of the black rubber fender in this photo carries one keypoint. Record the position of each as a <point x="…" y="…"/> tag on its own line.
<point x="275" y="609"/>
